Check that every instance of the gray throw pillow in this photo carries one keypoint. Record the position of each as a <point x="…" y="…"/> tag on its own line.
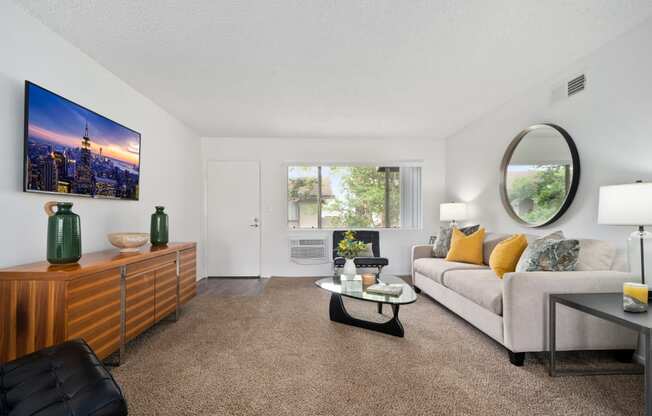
<point x="595" y="255"/>
<point x="443" y="242"/>
<point x="491" y="240"/>
<point x="554" y="256"/>
<point x="368" y="251"/>
<point x="521" y="266"/>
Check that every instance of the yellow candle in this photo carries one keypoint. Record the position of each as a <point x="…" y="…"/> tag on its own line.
<point x="635" y="297"/>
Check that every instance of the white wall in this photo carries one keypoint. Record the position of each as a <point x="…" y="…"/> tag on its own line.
<point x="170" y="172"/>
<point x="611" y="123"/>
<point x="274" y="154"/>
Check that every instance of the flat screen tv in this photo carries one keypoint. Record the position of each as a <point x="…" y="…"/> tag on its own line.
<point x="70" y="149"/>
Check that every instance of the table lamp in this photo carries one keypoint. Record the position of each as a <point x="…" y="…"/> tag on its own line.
<point x="452" y="211"/>
<point x="629" y="204"/>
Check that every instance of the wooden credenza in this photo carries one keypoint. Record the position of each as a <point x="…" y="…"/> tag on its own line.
<point x="108" y="298"/>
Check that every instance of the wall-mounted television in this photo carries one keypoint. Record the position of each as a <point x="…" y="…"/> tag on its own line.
<point x="70" y="149"/>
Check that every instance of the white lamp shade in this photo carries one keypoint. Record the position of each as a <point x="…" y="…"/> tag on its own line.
<point x="454" y="211"/>
<point x="629" y="204"/>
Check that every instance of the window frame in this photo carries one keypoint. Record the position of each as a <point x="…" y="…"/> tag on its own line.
<point x="319" y="166"/>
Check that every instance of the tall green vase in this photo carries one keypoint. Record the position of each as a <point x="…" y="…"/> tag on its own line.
<point x="64" y="233"/>
<point x="158" y="232"/>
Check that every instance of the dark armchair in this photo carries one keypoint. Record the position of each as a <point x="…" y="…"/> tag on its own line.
<point x="372" y="237"/>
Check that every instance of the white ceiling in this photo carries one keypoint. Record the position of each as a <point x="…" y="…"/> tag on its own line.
<point x="335" y="68"/>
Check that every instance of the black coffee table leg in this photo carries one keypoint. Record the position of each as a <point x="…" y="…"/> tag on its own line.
<point x="380" y="308"/>
<point x="339" y="314"/>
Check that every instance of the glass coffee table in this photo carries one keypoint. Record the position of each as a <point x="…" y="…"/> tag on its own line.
<point x="353" y="287"/>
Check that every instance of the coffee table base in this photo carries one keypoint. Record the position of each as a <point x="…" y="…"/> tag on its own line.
<point x="339" y="314"/>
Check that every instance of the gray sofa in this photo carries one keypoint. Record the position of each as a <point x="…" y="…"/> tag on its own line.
<point x="514" y="310"/>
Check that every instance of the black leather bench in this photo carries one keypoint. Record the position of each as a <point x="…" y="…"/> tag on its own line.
<point x="64" y="380"/>
<point x="363" y="262"/>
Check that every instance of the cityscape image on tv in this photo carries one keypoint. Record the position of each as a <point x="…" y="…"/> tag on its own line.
<point x="72" y="150"/>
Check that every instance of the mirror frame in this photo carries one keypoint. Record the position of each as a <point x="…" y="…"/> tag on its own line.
<point x="575" y="180"/>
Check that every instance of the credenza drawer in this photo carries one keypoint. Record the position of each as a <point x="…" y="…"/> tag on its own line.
<point x="140" y="303"/>
<point x="187" y="275"/>
<point x="151" y="264"/>
<point x="166" y="292"/>
<point x="93" y="308"/>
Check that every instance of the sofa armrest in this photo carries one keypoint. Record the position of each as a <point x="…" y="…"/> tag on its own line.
<point x="419" y="251"/>
<point x="525" y="311"/>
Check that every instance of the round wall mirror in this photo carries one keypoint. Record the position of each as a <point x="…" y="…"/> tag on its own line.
<point x="540" y="174"/>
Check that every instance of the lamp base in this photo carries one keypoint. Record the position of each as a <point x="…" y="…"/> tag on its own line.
<point x="639" y="255"/>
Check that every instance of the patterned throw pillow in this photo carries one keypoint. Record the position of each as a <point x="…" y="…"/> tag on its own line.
<point x="443" y="241"/>
<point x="521" y="266"/>
<point x="554" y="256"/>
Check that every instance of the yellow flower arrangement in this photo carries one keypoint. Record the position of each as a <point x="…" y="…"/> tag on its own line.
<point x="349" y="247"/>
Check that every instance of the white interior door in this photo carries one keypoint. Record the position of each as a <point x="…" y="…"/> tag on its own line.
<point x="232" y="223"/>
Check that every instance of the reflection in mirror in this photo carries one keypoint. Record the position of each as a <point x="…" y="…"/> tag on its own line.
<point x="539" y="172"/>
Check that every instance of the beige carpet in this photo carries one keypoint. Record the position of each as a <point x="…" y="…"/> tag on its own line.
<point x="279" y="354"/>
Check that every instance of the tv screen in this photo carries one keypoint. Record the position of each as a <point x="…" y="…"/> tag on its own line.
<point x="72" y="150"/>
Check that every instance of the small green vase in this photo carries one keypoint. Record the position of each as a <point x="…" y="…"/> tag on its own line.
<point x="158" y="232"/>
<point x="64" y="233"/>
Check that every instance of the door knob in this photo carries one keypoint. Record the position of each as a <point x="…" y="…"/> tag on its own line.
<point x="253" y="225"/>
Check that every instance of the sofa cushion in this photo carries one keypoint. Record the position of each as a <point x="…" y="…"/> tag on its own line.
<point x="443" y="241"/>
<point x="491" y="240"/>
<point x="533" y="243"/>
<point x="506" y="254"/>
<point x="595" y="255"/>
<point x="482" y="287"/>
<point x="533" y="237"/>
<point x="368" y="251"/>
<point x="466" y="248"/>
<point x="620" y="262"/>
<point x="554" y="256"/>
<point x="434" y="268"/>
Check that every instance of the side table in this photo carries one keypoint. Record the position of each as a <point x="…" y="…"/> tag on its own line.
<point x="608" y="306"/>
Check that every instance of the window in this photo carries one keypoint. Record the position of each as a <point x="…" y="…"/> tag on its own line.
<point x="358" y="196"/>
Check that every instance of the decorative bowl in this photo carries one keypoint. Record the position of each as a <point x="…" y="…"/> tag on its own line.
<point x="128" y="242"/>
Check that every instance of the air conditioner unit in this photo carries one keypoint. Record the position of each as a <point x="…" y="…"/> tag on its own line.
<point x="313" y="250"/>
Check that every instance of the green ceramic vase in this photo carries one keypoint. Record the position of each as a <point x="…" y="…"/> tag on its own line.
<point x="64" y="233"/>
<point x="158" y="232"/>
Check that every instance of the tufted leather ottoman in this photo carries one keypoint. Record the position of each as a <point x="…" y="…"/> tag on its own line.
<point x="64" y="380"/>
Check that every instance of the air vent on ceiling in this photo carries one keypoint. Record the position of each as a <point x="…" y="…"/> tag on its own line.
<point x="576" y="85"/>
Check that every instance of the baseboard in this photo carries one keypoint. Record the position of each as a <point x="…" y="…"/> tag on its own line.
<point x="299" y="277"/>
<point x="233" y="277"/>
<point x="406" y="277"/>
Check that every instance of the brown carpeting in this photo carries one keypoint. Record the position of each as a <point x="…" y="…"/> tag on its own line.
<point x="279" y="354"/>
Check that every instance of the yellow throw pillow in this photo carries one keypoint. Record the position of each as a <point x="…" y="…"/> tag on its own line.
<point x="505" y="255"/>
<point x="466" y="248"/>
